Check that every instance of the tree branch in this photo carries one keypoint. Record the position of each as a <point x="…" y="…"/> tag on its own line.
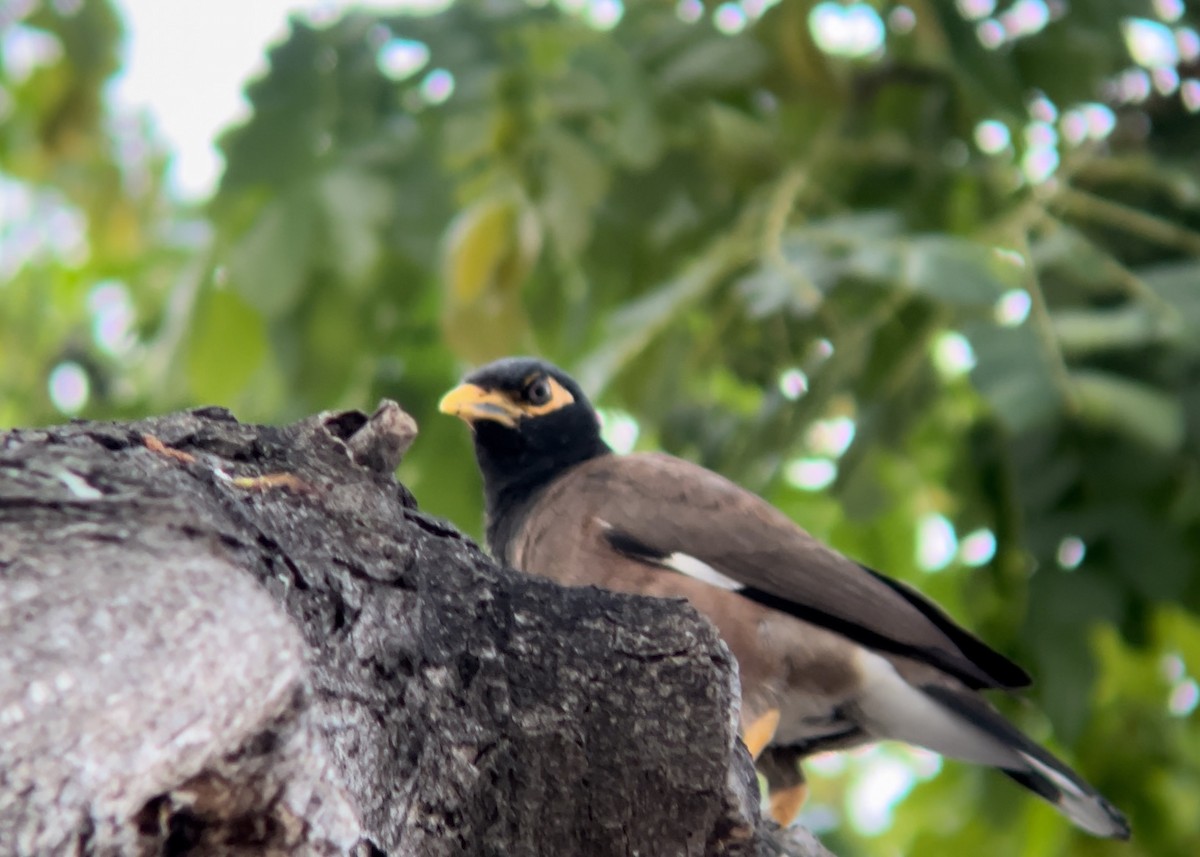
<point x="222" y="638"/>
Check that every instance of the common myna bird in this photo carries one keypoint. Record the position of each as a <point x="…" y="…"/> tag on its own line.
<point x="831" y="654"/>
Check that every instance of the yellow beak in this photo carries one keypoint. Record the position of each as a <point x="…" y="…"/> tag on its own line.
<point x="470" y="402"/>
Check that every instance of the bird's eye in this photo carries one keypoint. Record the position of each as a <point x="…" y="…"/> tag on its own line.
<point x="538" y="393"/>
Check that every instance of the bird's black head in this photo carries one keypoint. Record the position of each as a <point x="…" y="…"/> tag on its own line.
<point x="531" y="423"/>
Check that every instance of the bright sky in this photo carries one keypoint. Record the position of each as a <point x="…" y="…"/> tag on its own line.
<point x="187" y="62"/>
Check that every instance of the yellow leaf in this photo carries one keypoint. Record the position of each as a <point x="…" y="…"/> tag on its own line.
<point x="489" y="250"/>
<point x="477" y="241"/>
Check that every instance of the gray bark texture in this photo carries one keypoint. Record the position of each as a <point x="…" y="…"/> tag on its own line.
<point x="219" y="638"/>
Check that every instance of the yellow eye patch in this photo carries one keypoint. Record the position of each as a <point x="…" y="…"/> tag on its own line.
<point x="560" y="397"/>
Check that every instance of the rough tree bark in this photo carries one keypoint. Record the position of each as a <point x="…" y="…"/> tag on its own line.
<point x="225" y="638"/>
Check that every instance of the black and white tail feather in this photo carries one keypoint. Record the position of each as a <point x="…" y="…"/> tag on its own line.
<point x="958" y="724"/>
<point x="1038" y="770"/>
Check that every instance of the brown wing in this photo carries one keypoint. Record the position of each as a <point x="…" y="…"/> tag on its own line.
<point x="654" y="506"/>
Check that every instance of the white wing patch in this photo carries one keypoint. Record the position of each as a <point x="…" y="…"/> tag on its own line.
<point x="687" y="564"/>
<point x="702" y="571"/>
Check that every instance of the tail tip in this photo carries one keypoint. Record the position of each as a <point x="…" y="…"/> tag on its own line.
<point x="1120" y="824"/>
<point x="1084" y="806"/>
<point x="1109" y="822"/>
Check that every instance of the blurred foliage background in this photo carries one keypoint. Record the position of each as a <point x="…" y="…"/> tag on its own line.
<point x="925" y="274"/>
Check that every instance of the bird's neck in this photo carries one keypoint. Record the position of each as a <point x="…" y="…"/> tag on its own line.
<point x="513" y="483"/>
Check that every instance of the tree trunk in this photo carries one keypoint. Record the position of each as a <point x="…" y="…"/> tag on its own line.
<point x="224" y="638"/>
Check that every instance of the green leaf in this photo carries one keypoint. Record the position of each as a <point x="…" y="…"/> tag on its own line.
<point x="740" y="140"/>
<point x="1152" y="560"/>
<point x="1014" y="375"/>
<point x="634" y="326"/>
<point x="226" y="345"/>
<point x="1068" y="252"/>
<point x="955" y="270"/>
<point x="639" y="140"/>
<point x="579" y="92"/>
<point x="715" y="63"/>
<point x="867" y="226"/>
<point x="1062" y="607"/>
<point x="356" y="207"/>
<point x="269" y="263"/>
<point x="1140" y="412"/>
<point x="772" y="288"/>
<point x="1081" y="332"/>
<point x="576" y="180"/>
<point x="1177" y="283"/>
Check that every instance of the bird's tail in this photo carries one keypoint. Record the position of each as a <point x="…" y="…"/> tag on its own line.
<point x="1035" y="767"/>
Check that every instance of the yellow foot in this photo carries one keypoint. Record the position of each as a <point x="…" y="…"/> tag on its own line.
<point x="786" y="803"/>
<point x="761" y="731"/>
